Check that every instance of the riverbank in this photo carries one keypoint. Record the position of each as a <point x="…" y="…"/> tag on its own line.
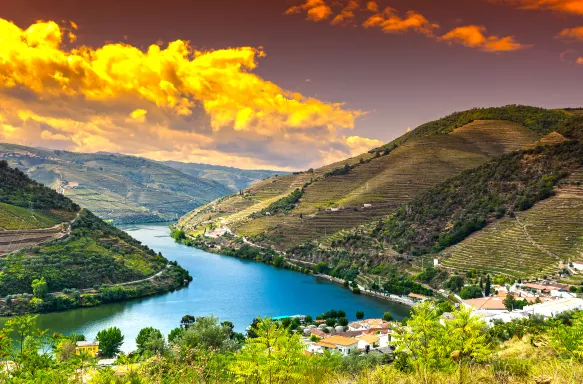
<point x="169" y="279"/>
<point x="364" y="291"/>
<point x="227" y="244"/>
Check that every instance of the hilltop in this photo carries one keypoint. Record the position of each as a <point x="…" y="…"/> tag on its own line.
<point x="115" y="187"/>
<point x="422" y="194"/>
<point x="80" y="260"/>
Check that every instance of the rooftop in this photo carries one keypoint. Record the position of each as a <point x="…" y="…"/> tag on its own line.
<point x="341" y="340"/>
<point x="90" y="343"/>
<point x="371" y="339"/>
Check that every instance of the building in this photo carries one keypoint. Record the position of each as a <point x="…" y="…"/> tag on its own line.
<point x="555" y="307"/>
<point x="342" y="344"/>
<point x="367" y="342"/>
<point x="89" y="347"/>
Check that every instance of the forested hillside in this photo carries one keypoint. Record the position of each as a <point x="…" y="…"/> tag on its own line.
<point x="116" y="187"/>
<point x="78" y="259"/>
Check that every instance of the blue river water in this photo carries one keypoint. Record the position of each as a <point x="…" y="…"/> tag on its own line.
<point x="226" y="287"/>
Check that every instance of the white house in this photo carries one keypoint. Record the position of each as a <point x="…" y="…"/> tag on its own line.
<point x="343" y="345"/>
<point x="367" y="342"/>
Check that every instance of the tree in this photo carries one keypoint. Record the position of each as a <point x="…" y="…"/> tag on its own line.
<point x="455" y="283"/>
<point x="205" y="333"/>
<point x="387" y="316"/>
<point x="276" y="356"/>
<point x="343" y="321"/>
<point x="359" y="315"/>
<point x="187" y="321"/>
<point x="468" y="339"/>
<point x="470" y="292"/>
<point x="65" y="350"/>
<point x="341" y="313"/>
<point x="175" y="334"/>
<point x="110" y="341"/>
<point x="40" y="288"/>
<point x="488" y="287"/>
<point x="308" y="319"/>
<point x="148" y="337"/>
<point x="481" y="283"/>
<point x="509" y="302"/>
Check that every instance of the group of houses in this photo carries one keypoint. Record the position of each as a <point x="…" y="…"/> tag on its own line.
<point x="367" y="336"/>
<point x="547" y="299"/>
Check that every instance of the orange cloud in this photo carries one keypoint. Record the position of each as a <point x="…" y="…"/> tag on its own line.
<point x="473" y="36"/>
<point x="571" y="33"/>
<point x="390" y="22"/>
<point x="197" y="103"/>
<point x="372" y="6"/>
<point x="346" y="14"/>
<point x="567" y="6"/>
<point x="580" y="60"/>
<point x="316" y="10"/>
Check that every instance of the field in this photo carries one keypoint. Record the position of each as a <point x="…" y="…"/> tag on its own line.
<point x="533" y="243"/>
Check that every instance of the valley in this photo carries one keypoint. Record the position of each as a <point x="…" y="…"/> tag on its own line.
<point x="128" y="189"/>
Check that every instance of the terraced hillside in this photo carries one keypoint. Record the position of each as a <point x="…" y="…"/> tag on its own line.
<point x="116" y="187"/>
<point x="367" y="187"/>
<point x="45" y="236"/>
<point x="533" y="243"/>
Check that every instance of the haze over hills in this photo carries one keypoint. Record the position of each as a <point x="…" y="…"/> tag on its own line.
<point x="234" y="178"/>
<point x="127" y="188"/>
<point x="334" y="213"/>
<point x="80" y="258"/>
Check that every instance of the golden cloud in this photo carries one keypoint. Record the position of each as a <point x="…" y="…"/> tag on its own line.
<point x="473" y="36"/>
<point x="188" y="103"/>
<point x="567" y="6"/>
<point x="390" y="22"/>
<point x="580" y="60"/>
<point x="571" y="33"/>
<point x="316" y="10"/>
<point x="346" y="14"/>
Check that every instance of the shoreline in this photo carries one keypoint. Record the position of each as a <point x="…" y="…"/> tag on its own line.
<point x="392" y="298"/>
<point x="290" y="262"/>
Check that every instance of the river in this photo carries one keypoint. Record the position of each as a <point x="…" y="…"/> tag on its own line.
<point x="226" y="287"/>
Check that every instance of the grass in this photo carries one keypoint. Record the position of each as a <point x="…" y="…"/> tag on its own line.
<point x="13" y="217"/>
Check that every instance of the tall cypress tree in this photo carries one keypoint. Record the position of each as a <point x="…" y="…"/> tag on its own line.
<point x="487" y="291"/>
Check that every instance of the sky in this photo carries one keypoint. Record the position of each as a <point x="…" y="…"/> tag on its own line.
<point x="272" y="84"/>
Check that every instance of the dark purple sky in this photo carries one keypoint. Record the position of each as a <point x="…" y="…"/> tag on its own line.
<point x="400" y="79"/>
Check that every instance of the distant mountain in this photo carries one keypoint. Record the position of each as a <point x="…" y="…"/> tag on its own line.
<point x="234" y="178"/>
<point x="116" y="187"/>
<point x="83" y="261"/>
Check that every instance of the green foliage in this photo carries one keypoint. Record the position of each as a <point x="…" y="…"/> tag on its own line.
<point x="39" y="288"/>
<point x="110" y="341"/>
<point x="568" y="340"/>
<point x="150" y="340"/>
<point x="455" y="283"/>
<point x="18" y="189"/>
<point x="360" y="315"/>
<point x="339" y="171"/>
<point x="387" y="316"/>
<point x="473" y="198"/>
<point x="488" y="286"/>
<point x="470" y="292"/>
<point x="285" y="204"/>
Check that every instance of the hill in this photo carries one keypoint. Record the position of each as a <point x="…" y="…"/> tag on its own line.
<point x="494" y="190"/>
<point x="80" y="259"/>
<point x="115" y="187"/>
<point x="347" y="194"/>
<point x="234" y="178"/>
